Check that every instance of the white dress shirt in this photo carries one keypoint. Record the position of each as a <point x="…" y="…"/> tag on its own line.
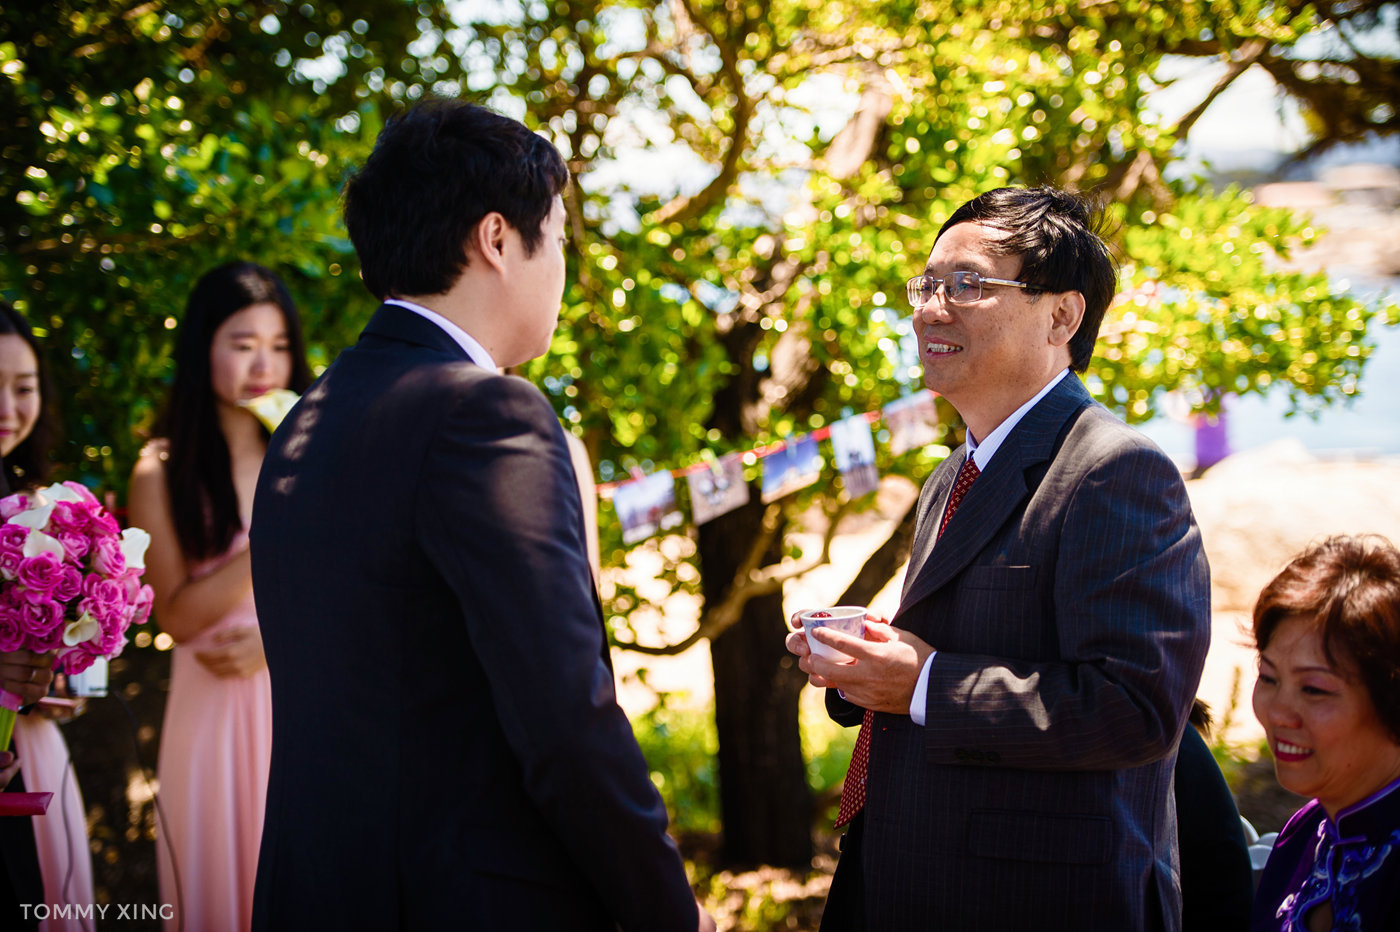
<point x="981" y="454"/>
<point x="473" y="349"/>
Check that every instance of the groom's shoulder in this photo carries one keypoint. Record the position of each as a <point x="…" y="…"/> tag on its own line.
<point x="460" y="387"/>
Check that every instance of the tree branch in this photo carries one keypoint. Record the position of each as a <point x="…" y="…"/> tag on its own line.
<point x="1249" y="54"/>
<point x="683" y="209"/>
<point x="880" y="568"/>
<point x="752" y="583"/>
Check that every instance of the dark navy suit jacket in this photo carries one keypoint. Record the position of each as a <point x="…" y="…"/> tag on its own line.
<point x="447" y="747"/>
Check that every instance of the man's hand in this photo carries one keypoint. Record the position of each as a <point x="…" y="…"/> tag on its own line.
<point x="27" y="674"/>
<point x="238" y="652"/>
<point x="885" y="671"/>
<point x="707" y="924"/>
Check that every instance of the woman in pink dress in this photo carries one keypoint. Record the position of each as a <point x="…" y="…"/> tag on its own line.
<point x="60" y="842"/>
<point x="193" y="492"/>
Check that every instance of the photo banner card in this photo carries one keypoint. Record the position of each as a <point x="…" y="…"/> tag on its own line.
<point x="853" y="449"/>
<point x="646" y="506"/>
<point x="912" y="422"/>
<point x="717" y="488"/>
<point x="797" y="465"/>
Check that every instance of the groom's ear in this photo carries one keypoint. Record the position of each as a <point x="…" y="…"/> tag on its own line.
<point x="488" y="240"/>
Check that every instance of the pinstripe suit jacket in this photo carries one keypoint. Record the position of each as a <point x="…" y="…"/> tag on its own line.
<point x="1069" y="603"/>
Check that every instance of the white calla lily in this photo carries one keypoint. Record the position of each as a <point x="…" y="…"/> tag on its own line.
<point x="86" y="628"/>
<point x="36" y="517"/>
<point x="272" y="406"/>
<point x="58" y="492"/>
<point x="133" y="547"/>
<point x="38" y="542"/>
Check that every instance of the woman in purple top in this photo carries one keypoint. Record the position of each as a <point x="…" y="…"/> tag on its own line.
<point x="1328" y="633"/>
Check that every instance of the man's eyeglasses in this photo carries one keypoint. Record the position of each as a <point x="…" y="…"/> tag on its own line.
<point x="958" y="287"/>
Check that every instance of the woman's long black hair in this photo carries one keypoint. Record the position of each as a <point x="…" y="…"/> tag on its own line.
<point x="28" y="464"/>
<point x="198" y="473"/>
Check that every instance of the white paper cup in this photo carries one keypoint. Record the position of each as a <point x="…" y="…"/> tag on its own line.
<point x="848" y="619"/>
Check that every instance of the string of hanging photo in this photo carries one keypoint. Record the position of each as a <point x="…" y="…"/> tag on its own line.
<point x="646" y="503"/>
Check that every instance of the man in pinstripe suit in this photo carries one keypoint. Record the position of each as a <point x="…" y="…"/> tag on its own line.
<point x="1026" y="701"/>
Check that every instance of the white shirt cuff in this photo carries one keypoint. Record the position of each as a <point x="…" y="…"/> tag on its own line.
<point x="918" y="705"/>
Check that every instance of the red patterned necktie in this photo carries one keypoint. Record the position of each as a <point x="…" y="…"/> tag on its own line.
<point x="853" y="790"/>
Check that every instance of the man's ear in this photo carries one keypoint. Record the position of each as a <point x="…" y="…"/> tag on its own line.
<point x="1065" y="317"/>
<point x="488" y="240"/>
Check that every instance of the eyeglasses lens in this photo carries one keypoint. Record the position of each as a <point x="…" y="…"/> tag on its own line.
<point x="963" y="286"/>
<point x="958" y="288"/>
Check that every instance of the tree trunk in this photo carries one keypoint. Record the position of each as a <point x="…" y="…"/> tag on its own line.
<point x="765" y="804"/>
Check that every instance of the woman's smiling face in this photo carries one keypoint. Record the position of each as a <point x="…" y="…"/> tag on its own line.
<point x="1327" y="739"/>
<point x="19" y="392"/>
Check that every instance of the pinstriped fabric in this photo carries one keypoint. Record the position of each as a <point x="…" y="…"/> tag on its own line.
<point x="853" y="787"/>
<point x="1069" y="604"/>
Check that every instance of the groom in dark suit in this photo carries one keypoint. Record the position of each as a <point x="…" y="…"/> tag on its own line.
<point x="447" y="748"/>
<point x="1021" y="712"/>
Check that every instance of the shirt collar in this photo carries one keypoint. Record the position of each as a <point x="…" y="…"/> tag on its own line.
<point x="983" y="452"/>
<point x="474" y="350"/>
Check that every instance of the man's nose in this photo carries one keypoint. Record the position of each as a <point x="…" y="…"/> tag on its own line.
<point x="935" y="309"/>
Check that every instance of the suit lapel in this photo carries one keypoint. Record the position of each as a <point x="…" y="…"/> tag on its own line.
<point x="399" y="323"/>
<point x="993" y="497"/>
<point x="925" y="529"/>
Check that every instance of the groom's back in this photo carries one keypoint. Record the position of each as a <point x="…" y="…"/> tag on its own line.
<point x="384" y="730"/>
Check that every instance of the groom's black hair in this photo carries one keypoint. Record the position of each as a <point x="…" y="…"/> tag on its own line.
<point x="1056" y="234"/>
<point x="436" y="170"/>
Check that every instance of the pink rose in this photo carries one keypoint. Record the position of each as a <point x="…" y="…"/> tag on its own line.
<point x="42" y="620"/>
<point x="104" y="614"/>
<point x="12" y="505"/>
<point x="83" y="492"/>
<point x="68" y="516"/>
<point x="113" y="640"/>
<point x="75" y="544"/>
<point x="107" y="557"/>
<point x="69" y="585"/>
<point x="104" y="590"/>
<point x="141" y="605"/>
<point x="106" y="599"/>
<point x="12" y="537"/>
<point x="75" y="659"/>
<point x="101" y="524"/>
<point x="69" y="525"/>
<point x="39" y="574"/>
<point x="12" y="636"/>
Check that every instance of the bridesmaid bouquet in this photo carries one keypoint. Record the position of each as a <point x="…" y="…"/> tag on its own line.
<point x="70" y="581"/>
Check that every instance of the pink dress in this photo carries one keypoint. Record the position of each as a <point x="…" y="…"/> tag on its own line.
<point x="214" y="751"/>
<point x="60" y="835"/>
